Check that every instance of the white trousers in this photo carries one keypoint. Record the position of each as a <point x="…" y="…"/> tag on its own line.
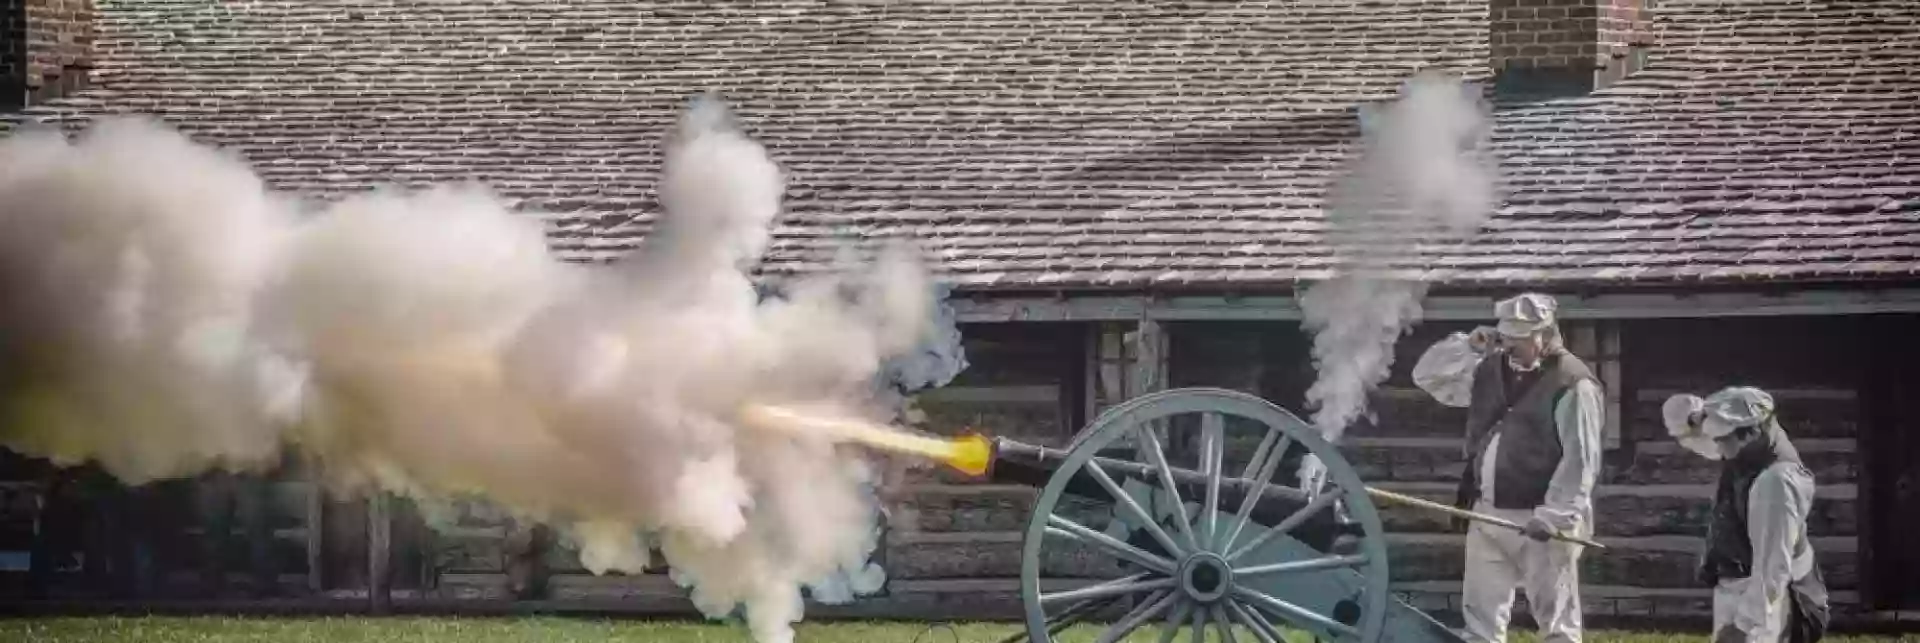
<point x="1501" y="560"/>
<point x="1728" y="597"/>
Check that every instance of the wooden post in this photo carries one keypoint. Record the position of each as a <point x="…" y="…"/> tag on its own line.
<point x="1150" y="362"/>
<point x="379" y="553"/>
<point x="1109" y="367"/>
<point x="1610" y="373"/>
<point x="1597" y="342"/>
<point x="1114" y="365"/>
<point x="316" y="526"/>
<point x="1090" y="366"/>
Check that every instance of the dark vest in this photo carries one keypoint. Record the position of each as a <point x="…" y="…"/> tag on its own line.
<point x="1518" y="406"/>
<point x="1730" y="549"/>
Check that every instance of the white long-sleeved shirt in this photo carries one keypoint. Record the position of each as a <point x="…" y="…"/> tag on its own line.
<point x="1777" y="508"/>
<point x="1446" y="370"/>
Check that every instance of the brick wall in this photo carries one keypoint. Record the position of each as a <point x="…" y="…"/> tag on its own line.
<point x="47" y="50"/>
<point x="13" y="52"/>
<point x="1583" y="43"/>
<point x="1565" y="33"/>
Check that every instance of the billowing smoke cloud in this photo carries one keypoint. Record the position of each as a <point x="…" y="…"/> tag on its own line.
<point x="1418" y="183"/>
<point x="166" y="314"/>
<point x="128" y="268"/>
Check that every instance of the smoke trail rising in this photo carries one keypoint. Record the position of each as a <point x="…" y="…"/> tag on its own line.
<point x="1417" y="184"/>
<point x="169" y="315"/>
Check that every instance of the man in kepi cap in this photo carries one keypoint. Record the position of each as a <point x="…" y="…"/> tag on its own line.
<point x="1534" y="416"/>
<point x="1766" y="584"/>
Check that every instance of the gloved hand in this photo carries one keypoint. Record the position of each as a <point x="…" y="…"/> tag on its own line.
<point x="1313" y="475"/>
<point x="1730" y="634"/>
<point x="1538" y="529"/>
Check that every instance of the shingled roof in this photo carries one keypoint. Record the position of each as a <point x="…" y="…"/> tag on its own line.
<point x="1066" y="144"/>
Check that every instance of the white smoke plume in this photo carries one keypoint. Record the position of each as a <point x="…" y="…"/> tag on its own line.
<point x="166" y="314"/>
<point x="1418" y="183"/>
<point x="128" y="267"/>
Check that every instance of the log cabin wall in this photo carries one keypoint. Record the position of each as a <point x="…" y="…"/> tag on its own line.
<point x="1408" y="443"/>
<point x="954" y="544"/>
<point x="1652" y="500"/>
<point x="950" y="543"/>
<point x="1817" y="369"/>
<point x="1889" y="442"/>
<point x="100" y="538"/>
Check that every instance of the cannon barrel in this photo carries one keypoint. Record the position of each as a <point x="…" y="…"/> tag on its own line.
<point x="1325" y="573"/>
<point x="1015" y="462"/>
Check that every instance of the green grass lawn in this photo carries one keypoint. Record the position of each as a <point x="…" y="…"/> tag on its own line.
<point x="563" y="630"/>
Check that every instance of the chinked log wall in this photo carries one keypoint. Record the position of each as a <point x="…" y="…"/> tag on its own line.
<point x="953" y="544"/>
<point x="1652" y="501"/>
<point x="1651" y="506"/>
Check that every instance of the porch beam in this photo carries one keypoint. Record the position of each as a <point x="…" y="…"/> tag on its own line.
<point x="984" y="309"/>
<point x="380" y="553"/>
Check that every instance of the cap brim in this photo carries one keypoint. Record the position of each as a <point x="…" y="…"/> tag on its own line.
<point x="1715" y="427"/>
<point x="1702" y="447"/>
<point x="1676" y="412"/>
<point x="1518" y="329"/>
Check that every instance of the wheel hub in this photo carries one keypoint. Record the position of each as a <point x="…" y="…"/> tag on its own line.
<point x="1205" y="577"/>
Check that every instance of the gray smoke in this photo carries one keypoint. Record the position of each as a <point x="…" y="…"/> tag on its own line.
<point x="1417" y="185"/>
<point x="167" y="315"/>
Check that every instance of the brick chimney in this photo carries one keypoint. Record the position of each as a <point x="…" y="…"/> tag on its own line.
<point x="46" y="48"/>
<point x="1549" y="48"/>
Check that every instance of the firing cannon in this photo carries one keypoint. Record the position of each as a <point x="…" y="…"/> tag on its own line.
<point x="1204" y="549"/>
<point x="1201" y="548"/>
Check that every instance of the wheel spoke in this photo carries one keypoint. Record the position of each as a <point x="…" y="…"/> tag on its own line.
<point x="1286" y="525"/>
<point x="1221" y="620"/>
<point x="1272" y="449"/>
<point x="1212" y="452"/>
<point x="1255" y="622"/>
<point x="1151" y="447"/>
<point x="1296" y="566"/>
<point x="1059" y="526"/>
<point x="1155" y="604"/>
<point x="1133" y="507"/>
<point x="1189" y="462"/>
<point x="1078" y="613"/>
<point x="1120" y="587"/>
<point x="1068" y="618"/>
<point x="1171" y="627"/>
<point x="1293" y="612"/>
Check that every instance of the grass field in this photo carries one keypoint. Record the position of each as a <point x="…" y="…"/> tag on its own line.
<point x="567" y="630"/>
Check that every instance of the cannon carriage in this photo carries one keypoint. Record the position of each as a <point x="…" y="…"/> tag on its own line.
<point x="1209" y="547"/>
